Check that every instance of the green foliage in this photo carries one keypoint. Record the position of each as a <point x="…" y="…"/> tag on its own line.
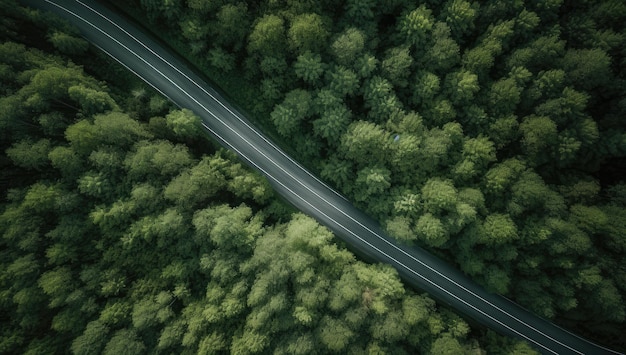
<point x="294" y="109"/>
<point x="446" y="344"/>
<point x="538" y="133"/>
<point x="30" y="155"/>
<point x="157" y="159"/>
<point x="124" y="341"/>
<point x="498" y="229"/>
<point x="460" y="15"/>
<point x="232" y="24"/>
<point x="199" y="183"/>
<point x="114" y="128"/>
<point x="307" y="33"/>
<point x="332" y="124"/>
<point x="184" y="123"/>
<point x="365" y="143"/>
<point x="92" y="340"/>
<point x="431" y="230"/>
<point x="371" y="182"/>
<point x="486" y="131"/>
<point x="348" y="46"/>
<point x="444" y="54"/>
<point x="268" y="36"/>
<point x="309" y="67"/>
<point x="428" y="85"/>
<point x="588" y="69"/>
<point x="462" y="86"/>
<point x="92" y="101"/>
<point x="400" y="228"/>
<point x="68" y="44"/>
<point x="415" y="26"/>
<point x="221" y="59"/>
<point x="396" y="66"/>
<point x="439" y="195"/>
<point x="343" y="81"/>
<point x="226" y="227"/>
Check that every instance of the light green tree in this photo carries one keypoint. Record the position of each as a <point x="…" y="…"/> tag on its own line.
<point x="92" y="101"/>
<point x="400" y="228"/>
<point x="221" y="59"/>
<point x="498" y="229"/>
<point x="184" y="123"/>
<point x="431" y="230"/>
<point x="288" y="115"/>
<point x="268" y="36"/>
<point x="365" y="143"/>
<point x="439" y="195"/>
<point x="371" y="181"/>
<point x="307" y="33"/>
<point x="334" y="334"/>
<point x="444" y="53"/>
<point x="426" y="88"/>
<point x="124" y="341"/>
<point x="92" y="340"/>
<point x="446" y="344"/>
<point x="198" y="184"/>
<point x="349" y="45"/>
<point x="460" y="16"/>
<point x="416" y="25"/>
<point x="156" y="159"/>
<point x="68" y="44"/>
<point x="114" y="128"/>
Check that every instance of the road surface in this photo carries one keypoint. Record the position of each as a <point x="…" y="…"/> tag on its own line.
<point x="164" y="71"/>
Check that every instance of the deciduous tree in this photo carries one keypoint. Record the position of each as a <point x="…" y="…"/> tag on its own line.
<point x="431" y="231"/>
<point x="349" y="45"/>
<point x="268" y="36"/>
<point x="365" y="143"/>
<point x="92" y="101"/>
<point x="233" y="20"/>
<point x="309" y="67"/>
<point x="68" y="44"/>
<point x="307" y="33"/>
<point x="30" y="155"/>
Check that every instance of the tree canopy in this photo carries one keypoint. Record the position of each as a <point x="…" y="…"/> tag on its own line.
<point x="489" y="133"/>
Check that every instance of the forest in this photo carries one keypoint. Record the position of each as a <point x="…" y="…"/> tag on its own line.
<point x="490" y="133"/>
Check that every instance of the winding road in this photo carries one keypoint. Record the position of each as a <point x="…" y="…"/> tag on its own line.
<point x="148" y="59"/>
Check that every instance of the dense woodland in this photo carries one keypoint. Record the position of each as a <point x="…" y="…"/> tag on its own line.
<point x="489" y="132"/>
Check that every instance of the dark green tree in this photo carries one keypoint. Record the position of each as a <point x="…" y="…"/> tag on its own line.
<point x="309" y="67"/>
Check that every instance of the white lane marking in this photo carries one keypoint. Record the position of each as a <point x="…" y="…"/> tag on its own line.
<point x="216" y="100"/>
<point x="383" y="239"/>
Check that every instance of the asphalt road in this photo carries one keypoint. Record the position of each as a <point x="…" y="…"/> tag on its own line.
<point x="164" y="71"/>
